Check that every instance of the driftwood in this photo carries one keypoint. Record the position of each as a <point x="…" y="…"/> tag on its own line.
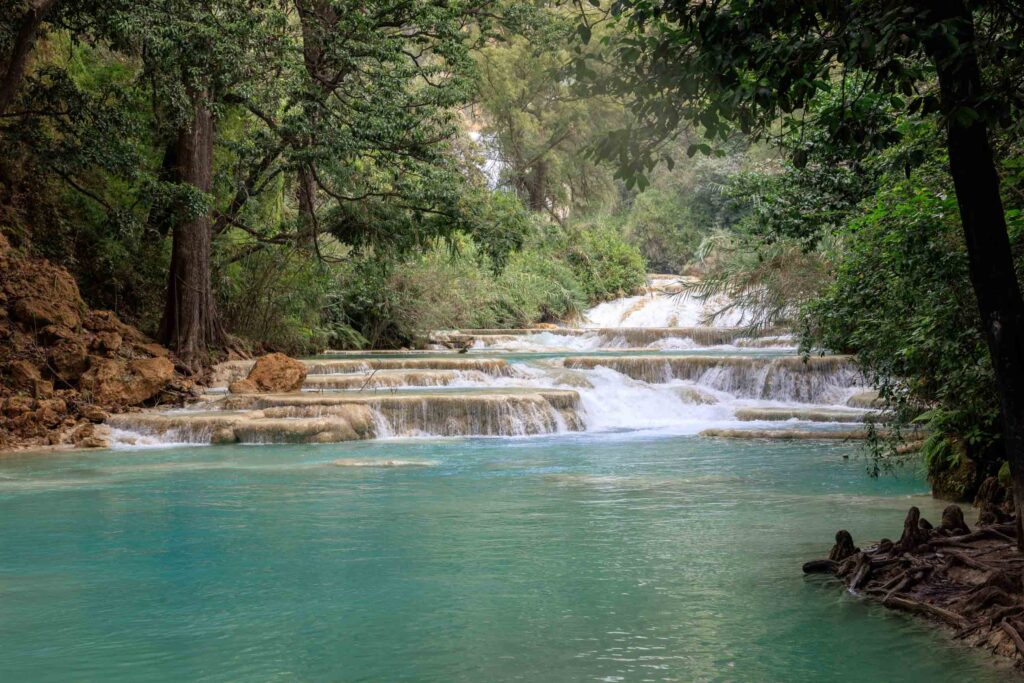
<point x="970" y="580"/>
<point x="820" y="567"/>
<point x="843" y="548"/>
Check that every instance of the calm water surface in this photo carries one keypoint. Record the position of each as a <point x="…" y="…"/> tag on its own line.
<point x="611" y="558"/>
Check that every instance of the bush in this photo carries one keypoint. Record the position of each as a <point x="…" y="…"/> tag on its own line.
<point x="605" y="264"/>
<point x="902" y="301"/>
<point x="382" y="303"/>
<point x="277" y="297"/>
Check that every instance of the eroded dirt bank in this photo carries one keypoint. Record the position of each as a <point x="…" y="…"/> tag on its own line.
<point x="64" y="367"/>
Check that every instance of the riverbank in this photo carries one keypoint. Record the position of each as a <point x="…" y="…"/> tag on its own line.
<point x="66" y="368"/>
<point x="963" y="579"/>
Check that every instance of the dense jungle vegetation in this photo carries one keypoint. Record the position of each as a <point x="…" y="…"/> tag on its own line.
<point x="325" y="173"/>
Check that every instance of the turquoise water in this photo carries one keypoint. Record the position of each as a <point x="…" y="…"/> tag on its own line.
<point x="552" y="559"/>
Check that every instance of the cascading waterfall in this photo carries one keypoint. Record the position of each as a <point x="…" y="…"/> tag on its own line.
<point x="826" y="379"/>
<point x="641" y="363"/>
<point x="665" y="303"/>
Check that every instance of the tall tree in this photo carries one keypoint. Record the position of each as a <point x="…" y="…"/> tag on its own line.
<point x="26" y="28"/>
<point x="757" y="62"/>
<point x="539" y="127"/>
<point x="198" y="58"/>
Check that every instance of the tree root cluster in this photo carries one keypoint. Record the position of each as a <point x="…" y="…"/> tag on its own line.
<point x="969" y="580"/>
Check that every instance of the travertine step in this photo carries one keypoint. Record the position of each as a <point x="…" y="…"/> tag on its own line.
<point x="347" y="416"/>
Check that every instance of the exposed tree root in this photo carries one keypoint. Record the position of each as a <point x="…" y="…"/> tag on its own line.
<point x="968" y="580"/>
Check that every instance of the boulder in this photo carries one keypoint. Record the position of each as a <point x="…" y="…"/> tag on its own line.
<point x="69" y="359"/>
<point x="51" y="334"/>
<point x="224" y="435"/>
<point x="243" y="386"/>
<point x="47" y="417"/>
<point x="88" y="436"/>
<point x="102" y="321"/>
<point x="24" y="373"/>
<point x="275" y="373"/>
<point x="115" y="382"/>
<point x="57" y="405"/>
<point x="107" y="343"/>
<point x="42" y="388"/>
<point x="42" y="294"/>
<point x="93" y="413"/>
<point x="14" y="406"/>
<point x="107" y="321"/>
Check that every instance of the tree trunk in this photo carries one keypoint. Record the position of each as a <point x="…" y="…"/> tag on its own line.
<point x="984" y="225"/>
<point x="190" y="324"/>
<point x="317" y="19"/>
<point x="14" y="69"/>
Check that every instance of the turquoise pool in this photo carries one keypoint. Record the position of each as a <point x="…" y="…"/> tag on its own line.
<point x="569" y="558"/>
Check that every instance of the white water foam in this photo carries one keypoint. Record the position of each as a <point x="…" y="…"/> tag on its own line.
<point x="663" y="309"/>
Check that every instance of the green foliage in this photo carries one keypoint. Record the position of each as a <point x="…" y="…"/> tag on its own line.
<point x="606" y="266"/>
<point x="278" y="299"/>
<point x="901" y="300"/>
<point x="539" y="128"/>
<point x="683" y="206"/>
<point x="554" y="277"/>
<point x="334" y="121"/>
<point x="765" y="66"/>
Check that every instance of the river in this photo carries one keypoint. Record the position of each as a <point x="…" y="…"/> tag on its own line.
<point x="531" y="510"/>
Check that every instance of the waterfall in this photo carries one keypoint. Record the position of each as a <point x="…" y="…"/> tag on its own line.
<point x="665" y="303"/>
<point x="826" y="379"/>
<point x="349" y="416"/>
<point x="641" y="363"/>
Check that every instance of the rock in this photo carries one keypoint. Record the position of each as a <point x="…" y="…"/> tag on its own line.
<point x="23" y="373"/>
<point x="959" y="481"/>
<point x="57" y="405"/>
<point x="51" y="334"/>
<point x="40" y="313"/>
<point x="275" y="372"/>
<point x="243" y="386"/>
<point x="41" y="294"/>
<point x="107" y="343"/>
<point x="93" y="413"/>
<point x="47" y="416"/>
<point x="102" y="321"/>
<point x="88" y="436"/>
<point x="546" y="326"/>
<point x="14" y="406"/>
<point x="42" y="388"/>
<point x="106" y="321"/>
<point x="866" y="399"/>
<point x="150" y="376"/>
<point x="68" y="360"/>
<point x="114" y="382"/>
<point x="154" y="350"/>
<point x="47" y="335"/>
